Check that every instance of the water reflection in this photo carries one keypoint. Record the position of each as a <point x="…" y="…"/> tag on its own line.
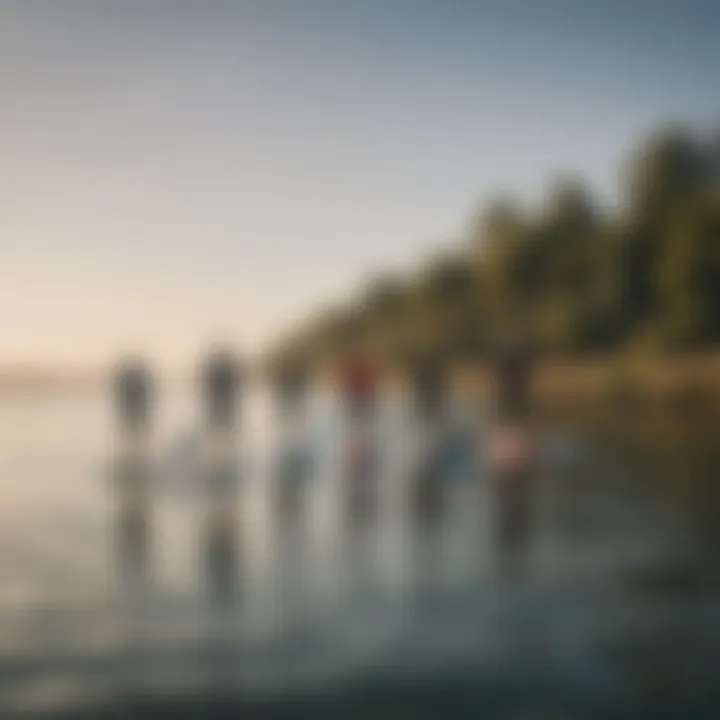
<point x="616" y="611"/>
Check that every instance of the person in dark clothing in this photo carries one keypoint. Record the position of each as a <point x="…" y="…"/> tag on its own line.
<point x="134" y="394"/>
<point x="221" y="383"/>
<point x="427" y="374"/>
<point x="358" y="388"/>
<point x="290" y="383"/>
<point x="133" y="390"/>
<point x="427" y="379"/>
<point x="220" y="389"/>
<point x="513" y="380"/>
<point x="511" y="455"/>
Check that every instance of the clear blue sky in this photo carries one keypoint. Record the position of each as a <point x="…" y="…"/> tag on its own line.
<point x="175" y="172"/>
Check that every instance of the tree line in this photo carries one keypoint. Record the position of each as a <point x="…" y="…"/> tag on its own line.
<point x="577" y="278"/>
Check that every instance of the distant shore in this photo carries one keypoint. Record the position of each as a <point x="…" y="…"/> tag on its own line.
<point x="688" y="379"/>
<point x="42" y="382"/>
<point x="683" y="379"/>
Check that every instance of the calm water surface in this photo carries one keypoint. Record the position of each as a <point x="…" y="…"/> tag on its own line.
<point x="616" y="613"/>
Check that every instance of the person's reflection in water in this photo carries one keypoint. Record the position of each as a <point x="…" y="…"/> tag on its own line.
<point x="221" y="555"/>
<point x="133" y="394"/>
<point x="133" y="543"/>
<point x="511" y="455"/>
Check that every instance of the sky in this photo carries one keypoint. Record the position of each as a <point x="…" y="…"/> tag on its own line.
<point x="174" y="173"/>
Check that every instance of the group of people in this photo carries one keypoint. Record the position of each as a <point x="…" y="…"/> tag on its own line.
<point x="506" y="443"/>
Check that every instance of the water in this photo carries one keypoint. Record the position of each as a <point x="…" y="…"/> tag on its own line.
<point x="609" y="617"/>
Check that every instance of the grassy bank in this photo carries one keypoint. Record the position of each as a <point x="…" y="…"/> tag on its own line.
<point x="676" y="381"/>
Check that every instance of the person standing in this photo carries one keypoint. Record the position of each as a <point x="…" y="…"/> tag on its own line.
<point x="133" y="391"/>
<point x="428" y="391"/>
<point x="358" y="385"/>
<point x="293" y="455"/>
<point x="511" y="456"/>
<point x="221" y="385"/>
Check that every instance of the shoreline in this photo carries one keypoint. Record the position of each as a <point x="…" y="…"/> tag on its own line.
<point x="683" y="379"/>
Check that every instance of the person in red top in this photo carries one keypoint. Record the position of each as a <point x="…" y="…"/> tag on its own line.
<point x="358" y="385"/>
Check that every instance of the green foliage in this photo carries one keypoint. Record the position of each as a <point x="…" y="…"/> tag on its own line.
<point x="574" y="278"/>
